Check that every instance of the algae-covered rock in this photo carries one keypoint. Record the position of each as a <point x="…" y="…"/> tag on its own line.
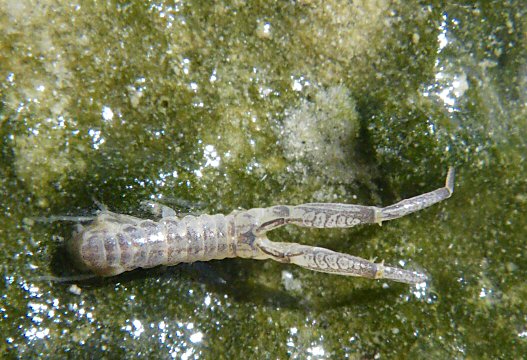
<point x="317" y="136"/>
<point x="224" y="105"/>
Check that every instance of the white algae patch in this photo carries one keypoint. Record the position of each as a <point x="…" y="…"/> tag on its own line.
<point x="318" y="135"/>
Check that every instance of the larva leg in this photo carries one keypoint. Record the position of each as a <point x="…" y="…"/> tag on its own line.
<point x="72" y="278"/>
<point x="330" y="215"/>
<point x="77" y="219"/>
<point x="55" y="218"/>
<point x="163" y="211"/>
<point x="99" y="204"/>
<point x="324" y="260"/>
<point x="158" y="209"/>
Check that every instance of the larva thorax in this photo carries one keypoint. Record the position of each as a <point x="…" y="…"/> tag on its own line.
<point x="114" y="243"/>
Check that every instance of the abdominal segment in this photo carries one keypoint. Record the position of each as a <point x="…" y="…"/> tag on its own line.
<point x="111" y="247"/>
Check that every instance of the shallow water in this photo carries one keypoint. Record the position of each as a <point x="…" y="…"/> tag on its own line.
<point x="211" y="108"/>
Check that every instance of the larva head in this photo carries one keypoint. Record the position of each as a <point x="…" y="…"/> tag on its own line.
<point x="73" y="247"/>
<point x="94" y="249"/>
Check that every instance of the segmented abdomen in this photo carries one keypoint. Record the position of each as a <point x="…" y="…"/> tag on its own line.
<point x="115" y="243"/>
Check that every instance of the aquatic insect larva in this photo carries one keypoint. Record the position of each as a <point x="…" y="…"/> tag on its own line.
<point x="115" y="243"/>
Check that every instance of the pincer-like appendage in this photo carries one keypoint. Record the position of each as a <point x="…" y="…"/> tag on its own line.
<point x="324" y="260"/>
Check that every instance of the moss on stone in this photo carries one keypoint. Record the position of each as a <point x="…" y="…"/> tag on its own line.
<point x="223" y="105"/>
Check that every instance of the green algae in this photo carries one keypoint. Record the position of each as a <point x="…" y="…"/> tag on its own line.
<point x="201" y="104"/>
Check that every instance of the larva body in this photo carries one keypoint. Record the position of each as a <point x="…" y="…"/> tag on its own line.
<point x="115" y="243"/>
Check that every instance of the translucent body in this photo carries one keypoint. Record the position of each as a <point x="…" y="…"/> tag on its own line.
<point x="115" y="243"/>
